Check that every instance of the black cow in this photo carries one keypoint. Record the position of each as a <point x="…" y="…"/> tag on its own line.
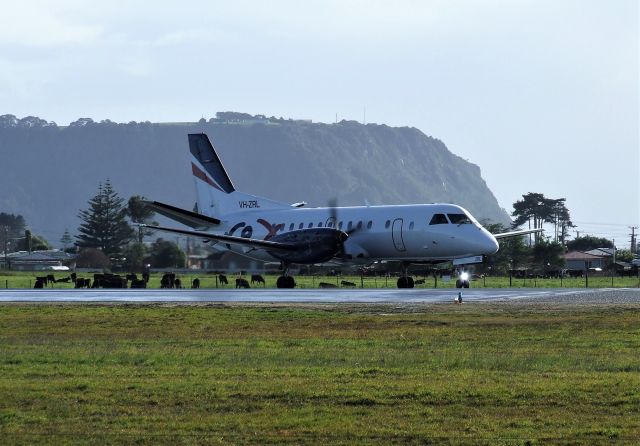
<point x="257" y="278"/>
<point x="223" y="279"/>
<point x="195" y="283"/>
<point x="168" y="280"/>
<point x="327" y="285"/>
<point x="82" y="283"/>
<point x="347" y="284"/>
<point x="419" y="282"/>
<point x="51" y="278"/>
<point x="64" y="280"/>
<point x="131" y="277"/>
<point x="178" y="283"/>
<point x="242" y="283"/>
<point x="42" y="279"/>
<point x="138" y="283"/>
<point x="39" y="282"/>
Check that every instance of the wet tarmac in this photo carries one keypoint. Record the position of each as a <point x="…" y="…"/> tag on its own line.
<point x="381" y="296"/>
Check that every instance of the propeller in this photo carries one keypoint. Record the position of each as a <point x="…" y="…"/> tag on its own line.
<point x="333" y="217"/>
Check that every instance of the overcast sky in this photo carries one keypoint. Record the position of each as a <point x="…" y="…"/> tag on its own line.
<point x="542" y="95"/>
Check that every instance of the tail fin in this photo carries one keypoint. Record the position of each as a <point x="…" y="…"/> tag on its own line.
<point x="216" y="194"/>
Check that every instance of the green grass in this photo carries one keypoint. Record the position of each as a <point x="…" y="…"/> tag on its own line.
<point x="441" y="374"/>
<point x="27" y="279"/>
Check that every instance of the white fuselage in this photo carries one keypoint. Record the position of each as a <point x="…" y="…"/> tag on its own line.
<point x="411" y="233"/>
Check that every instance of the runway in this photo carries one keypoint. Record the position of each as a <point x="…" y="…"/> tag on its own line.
<point x="334" y="296"/>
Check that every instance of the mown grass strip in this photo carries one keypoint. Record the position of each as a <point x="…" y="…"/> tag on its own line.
<point x="481" y="374"/>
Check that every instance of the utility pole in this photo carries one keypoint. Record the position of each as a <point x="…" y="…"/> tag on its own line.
<point x="6" y="242"/>
<point x="633" y="239"/>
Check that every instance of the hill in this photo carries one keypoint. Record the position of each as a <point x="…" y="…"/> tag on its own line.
<point x="49" y="172"/>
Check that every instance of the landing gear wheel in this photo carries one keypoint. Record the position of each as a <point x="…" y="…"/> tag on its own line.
<point x="406" y="282"/>
<point x="286" y="282"/>
<point x="462" y="283"/>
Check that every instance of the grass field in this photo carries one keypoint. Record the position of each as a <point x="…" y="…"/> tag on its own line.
<point x="439" y="374"/>
<point x="27" y="279"/>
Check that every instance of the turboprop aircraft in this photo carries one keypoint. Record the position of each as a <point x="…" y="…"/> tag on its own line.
<point x="268" y="230"/>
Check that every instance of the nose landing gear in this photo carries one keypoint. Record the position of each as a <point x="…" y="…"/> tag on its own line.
<point x="463" y="280"/>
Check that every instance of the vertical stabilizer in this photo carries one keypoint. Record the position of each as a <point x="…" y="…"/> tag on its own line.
<point x="216" y="194"/>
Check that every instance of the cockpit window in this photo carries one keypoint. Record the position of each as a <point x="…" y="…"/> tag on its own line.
<point x="439" y="219"/>
<point x="459" y="219"/>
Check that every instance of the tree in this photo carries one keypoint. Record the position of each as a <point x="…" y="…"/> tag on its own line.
<point x="104" y="223"/>
<point x="548" y="255"/>
<point x="92" y="258"/>
<point x="135" y="256"/>
<point x="11" y="231"/>
<point x="537" y="209"/>
<point x="32" y="242"/>
<point x="513" y="251"/>
<point x="66" y="239"/>
<point x="139" y="213"/>
<point x="166" y="254"/>
<point x="588" y="242"/>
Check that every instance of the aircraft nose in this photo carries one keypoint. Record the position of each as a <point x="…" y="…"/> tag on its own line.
<point x="489" y="244"/>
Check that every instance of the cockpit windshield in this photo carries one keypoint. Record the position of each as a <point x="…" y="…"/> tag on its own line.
<point x="439" y="219"/>
<point x="459" y="219"/>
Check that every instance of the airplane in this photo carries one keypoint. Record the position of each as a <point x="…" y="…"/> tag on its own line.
<point x="269" y="230"/>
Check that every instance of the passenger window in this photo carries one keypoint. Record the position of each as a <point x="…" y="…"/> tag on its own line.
<point x="291" y="227"/>
<point x="320" y="224"/>
<point x="439" y="219"/>
<point x="387" y="224"/>
<point x="459" y="219"/>
<point x="369" y="224"/>
<point x="340" y="225"/>
<point x="359" y="225"/>
<point x="349" y="226"/>
<point x="411" y="226"/>
<point x="301" y="225"/>
<point x="310" y="225"/>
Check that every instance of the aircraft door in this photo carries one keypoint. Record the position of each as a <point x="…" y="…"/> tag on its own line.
<point x="396" y="235"/>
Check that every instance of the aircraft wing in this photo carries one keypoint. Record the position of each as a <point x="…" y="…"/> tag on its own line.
<point x="187" y="218"/>
<point x="233" y="240"/>
<point x="516" y="233"/>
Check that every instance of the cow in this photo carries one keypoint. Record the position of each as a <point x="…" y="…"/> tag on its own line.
<point x="64" y="280"/>
<point x="195" y="283"/>
<point x="168" y="280"/>
<point x="138" y="283"/>
<point x="257" y="278"/>
<point x="131" y="277"/>
<point x="419" y="282"/>
<point x="51" y="278"/>
<point x="39" y="282"/>
<point x="242" y="283"/>
<point x="347" y="284"/>
<point x="327" y="285"/>
<point x="82" y="283"/>
<point x="42" y="279"/>
<point x="178" y="283"/>
<point x="223" y="279"/>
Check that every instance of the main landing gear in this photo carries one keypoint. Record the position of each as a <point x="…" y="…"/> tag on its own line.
<point x="405" y="281"/>
<point x="285" y="280"/>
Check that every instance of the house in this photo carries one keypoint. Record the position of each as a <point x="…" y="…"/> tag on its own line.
<point x="580" y="261"/>
<point x="35" y="260"/>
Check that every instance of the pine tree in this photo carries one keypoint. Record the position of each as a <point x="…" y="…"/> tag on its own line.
<point x="104" y="223"/>
<point x="66" y="239"/>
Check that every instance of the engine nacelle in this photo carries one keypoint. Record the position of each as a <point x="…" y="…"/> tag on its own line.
<point x="315" y="245"/>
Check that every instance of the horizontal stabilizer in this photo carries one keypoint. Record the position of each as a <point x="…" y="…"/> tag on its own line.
<point x="188" y="218"/>
<point x="517" y="233"/>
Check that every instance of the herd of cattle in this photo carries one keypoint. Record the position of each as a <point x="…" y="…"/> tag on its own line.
<point x="168" y="280"/>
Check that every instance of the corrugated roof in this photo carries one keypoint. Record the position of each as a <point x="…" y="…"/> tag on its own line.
<point x="577" y="255"/>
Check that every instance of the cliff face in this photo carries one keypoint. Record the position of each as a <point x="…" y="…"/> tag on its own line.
<point x="48" y="173"/>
